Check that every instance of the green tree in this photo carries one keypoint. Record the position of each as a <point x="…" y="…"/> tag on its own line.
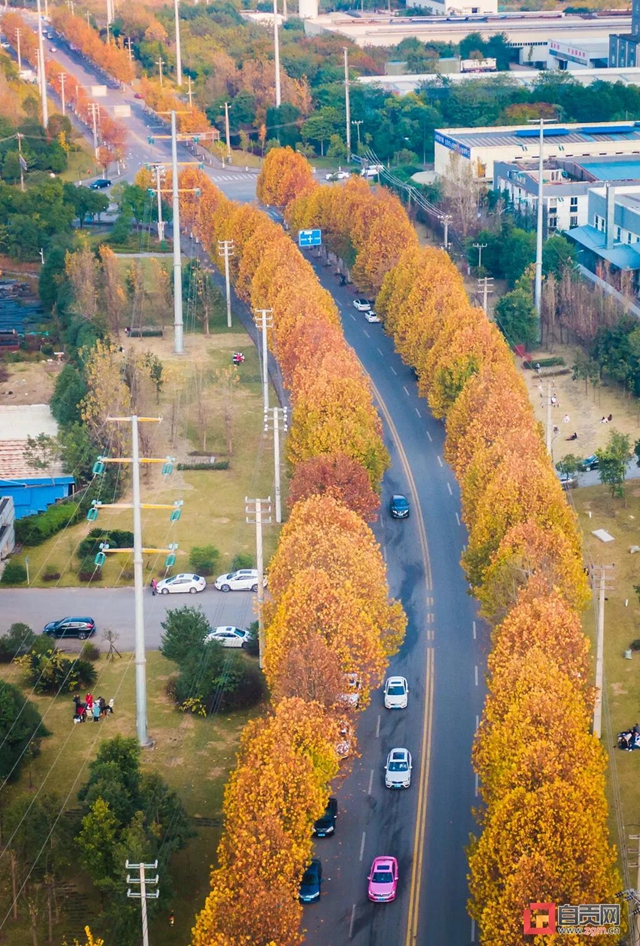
<point x="558" y="254"/>
<point x="78" y="452"/>
<point x="321" y="125"/>
<point x="204" y="559"/>
<point x="184" y="631"/>
<point x="16" y="642"/>
<point x="570" y="464"/>
<point x="516" y="315"/>
<point x="70" y="388"/>
<point x="96" y="841"/>
<point x="613" y="460"/>
<point x="21" y="727"/>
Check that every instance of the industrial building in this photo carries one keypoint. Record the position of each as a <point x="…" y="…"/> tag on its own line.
<point x="609" y="243"/>
<point x="623" y="47"/>
<point x="480" y="148"/>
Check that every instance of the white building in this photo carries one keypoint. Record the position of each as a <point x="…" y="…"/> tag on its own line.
<point x="456" y="7"/>
<point x="565" y="201"/>
<point x="519" y="144"/>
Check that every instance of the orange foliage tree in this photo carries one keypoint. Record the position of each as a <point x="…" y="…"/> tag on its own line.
<point x="112" y="57"/>
<point x="339" y="475"/>
<point x="285" y="175"/>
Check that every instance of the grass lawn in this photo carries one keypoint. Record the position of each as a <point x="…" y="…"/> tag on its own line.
<point x="193" y="755"/>
<point x="622" y="625"/>
<point x="81" y="165"/>
<point x="213" y="512"/>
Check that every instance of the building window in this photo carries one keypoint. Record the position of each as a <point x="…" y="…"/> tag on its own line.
<point x="618" y="234"/>
<point x="574" y="203"/>
<point x="553" y="223"/>
<point x="628" y="238"/>
<point x="573" y="222"/>
<point x="553" y="202"/>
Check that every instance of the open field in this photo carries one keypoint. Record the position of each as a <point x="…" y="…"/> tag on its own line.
<point x="192" y="754"/>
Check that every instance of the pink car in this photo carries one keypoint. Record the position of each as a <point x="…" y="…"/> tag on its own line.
<point x="383" y="879"/>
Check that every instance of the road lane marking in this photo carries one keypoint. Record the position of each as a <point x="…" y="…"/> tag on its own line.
<point x="370" y="783"/>
<point x="449" y="488"/>
<point x="378" y="727"/>
<point x="477" y="722"/>
<point x="476" y="785"/>
<point x="418" y="412"/>
<point x="430" y="437"/>
<point x="404" y="387"/>
<point x="457" y="518"/>
<point x="352" y="316"/>
<point x="379" y="352"/>
<point x="393" y="369"/>
<point x="353" y="916"/>
<point x="364" y="837"/>
<point x="474" y="630"/>
<point x="473" y="931"/>
<point x="475" y="670"/>
<point x="366" y="333"/>
<point x="440" y="460"/>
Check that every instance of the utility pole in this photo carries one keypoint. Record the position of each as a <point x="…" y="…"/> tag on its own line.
<point x="276" y="53"/>
<point x="357" y="123"/>
<point x="479" y="247"/>
<point x="130" y="49"/>
<point x="62" y="76"/>
<point x="549" y="425"/>
<point x="159" y="175"/>
<point x="446" y="219"/>
<point x="484" y="286"/>
<point x="177" y="251"/>
<point x="18" y="35"/>
<point x="143" y="894"/>
<point x="264" y="320"/>
<point x="537" y="294"/>
<point x="635" y="927"/>
<point x="136" y="506"/>
<point x="21" y="161"/>
<point x="600" y="572"/>
<point x="226" y="130"/>
<point x="93" y="108"/>
<point x="42" y="76"/>
<point x="109" y="14"/>
<point x="176" y="11"/>
<point x="278" y="416"/>
<point x="225" y="248"/>
<point x="347" y="103"/>
<point x="261" y="509"/>
<point x="160" y="64"/>
<point x="190" y="94"/>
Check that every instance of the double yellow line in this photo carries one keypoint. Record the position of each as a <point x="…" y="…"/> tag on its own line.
<point x="427" y="722"/>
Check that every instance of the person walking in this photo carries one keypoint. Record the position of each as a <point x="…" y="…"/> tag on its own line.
<point x="154" y="585"/>
<point x="102" y="703"/>
<point x="96" y="711"/>
<point x="89" y="701"/>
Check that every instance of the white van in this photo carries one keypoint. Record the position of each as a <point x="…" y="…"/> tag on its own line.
<point x="372" y="170"/>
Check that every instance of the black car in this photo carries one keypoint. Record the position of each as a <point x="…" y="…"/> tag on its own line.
<point x="311" y="882"/>
<point x="71" y="627"/>
<point x="589" y="463"/>
<point x="399" y="507"/>
<point x="100" y="184"/>
<point x="327" y="824"/>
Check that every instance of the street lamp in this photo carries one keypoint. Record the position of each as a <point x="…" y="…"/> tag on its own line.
<point x="357" y="124"/>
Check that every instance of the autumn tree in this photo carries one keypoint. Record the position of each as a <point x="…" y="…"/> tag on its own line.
<point x="107" y="395"/>
<point x="113" y="289"/>
<point x="285" y="175"/>
<point x="82" y="270"/>
<point x="342" y="477"/>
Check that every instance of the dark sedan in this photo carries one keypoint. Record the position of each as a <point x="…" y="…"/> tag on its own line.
<point x="327" y="824"/>
<point x="311" y="882"/>
<point x="71" y="627"/>
<point x="399" y="507"/>
<point x="589" y="463"/>
<point x="100" y="184"/>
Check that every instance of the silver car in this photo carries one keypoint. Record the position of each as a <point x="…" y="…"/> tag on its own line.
<point x="245" y="579"/>
<point x="397" y="771"/>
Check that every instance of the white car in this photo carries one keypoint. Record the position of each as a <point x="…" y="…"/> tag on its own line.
<point x="181" y="584"/>
<point x="397" y="771"/>
<point x="338" y="175"/>
<point x="371" y="316"/>
<point x="396" y="693"/>
<point x="228" y="636"/>
<point x="53" y="49"/>
<point x="362" y="305"/>
<point x="245" y="579"/>
<point x="351" y="695"/>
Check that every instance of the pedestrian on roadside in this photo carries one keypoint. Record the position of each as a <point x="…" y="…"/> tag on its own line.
<point x="102" y="703"/>
<point x="567" y="419"/>
<point x="554" y="400"/>
<point x="111" y="704"/>
<point x="89" y="701"/>
<point x="154" y="585"/>
<point x="96" y="711"/>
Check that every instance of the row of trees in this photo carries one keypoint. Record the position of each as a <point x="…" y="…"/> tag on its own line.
<point x="329" y="614"/>
<point x="112" y="58"/>
<point x="544" y="821"/>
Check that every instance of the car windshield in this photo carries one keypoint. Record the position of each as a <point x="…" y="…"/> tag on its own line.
<point x="309" y="878"/>
<point x="398" y="766"/>
<point x="382" y="876"/>
<point x="396" y="689"/>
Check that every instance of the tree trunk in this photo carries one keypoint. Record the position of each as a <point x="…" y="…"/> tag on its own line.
<point x="14" y="885"/>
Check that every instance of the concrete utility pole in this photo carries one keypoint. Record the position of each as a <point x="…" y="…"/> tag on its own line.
<point x="176" y="11"/>
<point x="226" y="130"/>
<point x="278" y="416"/>
<point x="347" y="102"/>
<point x="190" y="93"/>
<point x="18" y="50"/>
<point x="446" y="220"/>
<point x="62" y="76"/>
<point x="276" y="53"/>
<point x="264" y="320"/>
<point x="225" y="248"/>
<point x="159" y="175"/>
<point x="130" y="49"/>
<point x="143" y="894"/>
<point x="600" y="572"/>
<point x="93" y="108"/>
<point x="549" y="424"/>
<point x="109" y="14"/>
<point x="537" y="292"/>
<point x="160" y="64"/>
<point x="177" y="251"/>
<point x="261" y="510"/>
<point x="42" y="77"/>
<point x="21" y="161"/>
<point x="635" y="927"/>
<point x="484" y="286"/>
<point x="479" y="247"/>
<point x="357" y="123"/>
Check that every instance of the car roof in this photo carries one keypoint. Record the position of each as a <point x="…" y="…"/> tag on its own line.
<point x="399" y="753"/>
<point x="73" y="617"/>
<point x="399" y="496"/>
<point x="396" y="680"/>
<point x="384" y="860"/>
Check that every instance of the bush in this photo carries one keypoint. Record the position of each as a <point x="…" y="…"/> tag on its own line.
<point x="21" y="729"/>
<point x="33" y="530"/>
<point x="242" y="560"/>
<point x="115" y="538"/>
<point x="14" y="574"/>
<point x="90" y="652"/>
<point x="184" y="632"/>
<point x="212" y="680"/>
<point x="89" y="572"/>
<point x="217" y="465"/>
<point x="204" y="559"/>
<point x="51" y="573"/>
<point x="635" y="645"/>
<point x="53" y="672"/>
<point x="16" y="642"/>
<point x="545" y="363"/>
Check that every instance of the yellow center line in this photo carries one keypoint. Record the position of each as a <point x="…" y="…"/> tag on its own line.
<point x="427" y="722"/>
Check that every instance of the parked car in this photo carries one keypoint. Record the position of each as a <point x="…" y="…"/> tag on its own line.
<point x="53" y="49"/>
<point x="372" y="316"/>
<point x="181" y="584"/>
<point x="397" y="770"/>
<point x="138" y="95"/>
<point x="362" y="305"/>
<point x="311" y="882"/>
<point x="372" y="171"/>
<point x="399" y="506"/>
<point x="337" y="175"/>
<point x="327" y="823"/>
<point x="589" y="463"/>
<point x="245" y="579"/>
<point x="350" y="697"/>
<point x="383" y="879"/>
<point x="568" y="480"/>
<point x="229" y="636"/>
<point x="100" y="184"/>
<point x="396" y="693"/>
<point x="71" y="627"/>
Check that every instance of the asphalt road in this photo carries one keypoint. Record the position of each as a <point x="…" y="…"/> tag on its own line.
<point x="113" y="608"/>
<point x="443" y="659"/>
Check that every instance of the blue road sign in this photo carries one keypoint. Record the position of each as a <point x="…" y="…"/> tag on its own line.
<point x="310" y="238"/>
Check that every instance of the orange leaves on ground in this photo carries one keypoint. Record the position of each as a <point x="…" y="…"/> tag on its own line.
<point x="339" y="475"/>
<point x="285" y="175"/>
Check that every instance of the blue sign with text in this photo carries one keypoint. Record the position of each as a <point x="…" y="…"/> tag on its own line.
<point x="310" y="238"/>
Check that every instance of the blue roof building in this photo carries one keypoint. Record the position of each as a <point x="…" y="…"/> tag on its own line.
<point x="32" y="490"/>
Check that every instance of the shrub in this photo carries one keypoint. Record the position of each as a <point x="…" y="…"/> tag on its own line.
<point x="21" y="729"/>
<point x="211" y="680"/>
<point x="217" y="465"/>
<point x="33" y="530"/>
<point x="53" y="672"/>
<point x="90" y="651"/>
<point x="115" y="538"/>
<point x="14" y="574"/>
<point x="17" y="641"/>
<point x="204" y="559"/>
<point x="242" y="560"/>
<point x="635" y="644"/>
<point x="87" y="573"/>
<point x="184" y="632"/>
<point x="554" y="362"/>
<point x="51" y="573"/>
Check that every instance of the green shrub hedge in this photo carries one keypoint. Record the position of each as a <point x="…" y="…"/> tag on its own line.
<point x="217" y="465"/>
<point x="34" y="530"/>
<point x="14" y="574"/>
<point x="115" y="538"/>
